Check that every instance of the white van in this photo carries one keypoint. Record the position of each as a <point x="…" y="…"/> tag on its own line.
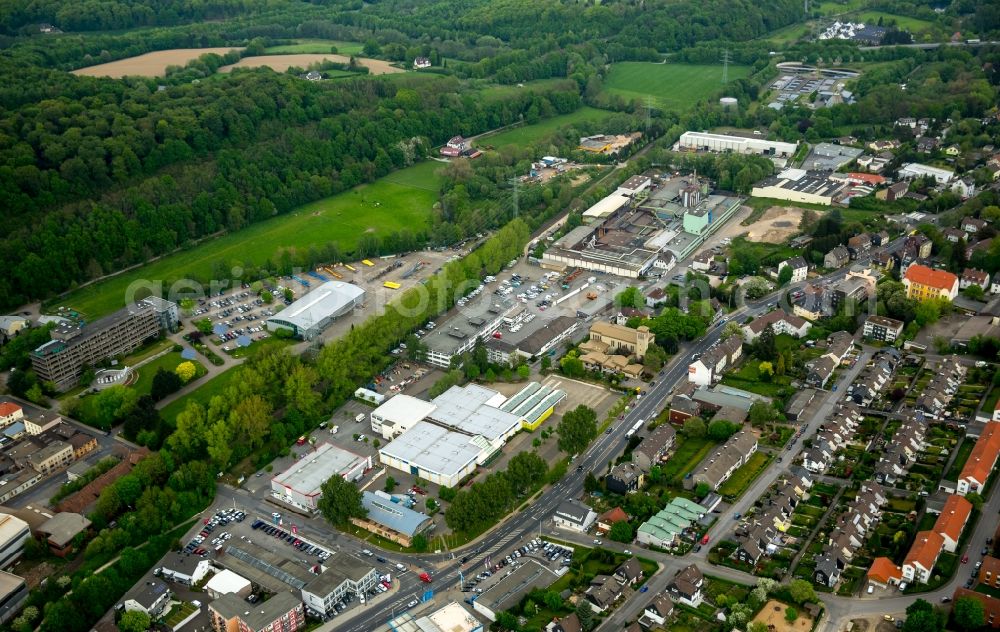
<point x="360" y="417"/>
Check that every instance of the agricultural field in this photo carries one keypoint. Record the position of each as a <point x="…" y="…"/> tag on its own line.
<point x="670" y="86"/>
<point x="400" y="200"/>
<point x="151" y="64"/>
<point x="316" y="46"/>
<point x="281" y="63"/>
<point x="527" y="134"/>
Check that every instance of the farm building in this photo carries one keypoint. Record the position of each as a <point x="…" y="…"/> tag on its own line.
<point x="300" y="484"/>
<point x="307" y="317"/>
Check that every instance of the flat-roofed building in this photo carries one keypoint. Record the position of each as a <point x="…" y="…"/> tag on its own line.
<point x="281" y="613"/>
<point x="341" y="576"/>
<point x="398" y="414"/>
<point x="300" y="484"/>
<point x="917" y="170"/>
<point x="459" y="331"/>
<point x="510" y="589"/>
<point x="14" y="532"/>
<point x="226" y="582"/>
<point x="13" y="593"/>
<point x="61" y="529"/>
<point x="52" y="457"/>
<point x="61" y="360"/>
<point x="451" y="617"/>
<point x="723" y="143"/>
<point x="307" y="317"/>
<point x="883" y="328"/>
<point x="435" y="454"/>
<point x="799" y="185"/>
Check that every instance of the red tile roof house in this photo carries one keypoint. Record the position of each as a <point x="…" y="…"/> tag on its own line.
<point x="950" y="524"/>
<point x="981" y="461"/>
<point x="923" y="555"/>
<point x="884" y="573"/>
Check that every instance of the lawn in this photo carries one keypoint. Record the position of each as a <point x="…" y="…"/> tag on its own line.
<point x="168" y="362"/>
<point x="404" y="198"/>
<point x="688" y="453"/>
<point x="496" y="92"/>
<point x="833" y="7"/>
<point x="905" y="22"/>
<point x="744" y="475"/>
<point x="788" y="34"/>
<point x="527" y="134"/>
<point x="202" y="394"/>
<point x="316" y="46"/>
<point x="964" y="450"/>
<point x="748" y="378"/>
<point x="669" y="86"/>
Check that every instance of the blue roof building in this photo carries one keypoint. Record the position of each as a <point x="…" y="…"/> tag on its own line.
<point x="392" y="520"/>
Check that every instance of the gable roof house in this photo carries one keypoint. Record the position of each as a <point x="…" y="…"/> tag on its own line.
<point x="609" y="518"/>
<point x="922" y="557"/>
<point x="624" y="478"/>
<point x="950" y="524"/>
<point x="753" y="545"/>
<point x="981" y="460"/>
<point x="718" y="466"/>
<point x="603" y="592"/>
<point x="780" y="322"/>
<point x="884" y="573"/>
<point x="828" y="569"/>
<point x="709" y="367"/>
<point x="972" y="276"/>
<point x="657" y="612"/>
<point x="574" y="515"/>
<point x="837" y="258"/>
<point x="800" y="269"/>
<point x="654" y="447"/>
<point x="686" y="586"/>
<point x="858" y="245"/>
<point x="629" y="572"/>
<point x="569" y="623"/>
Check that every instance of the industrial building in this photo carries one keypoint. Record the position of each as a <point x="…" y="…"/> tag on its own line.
<point x="799" y="185"/>
<point x="722" y="143"/>
<point x="307" y="317"/>
<point x="459" y="331"/>
<point x="73" y="346"/>
<point x="444" y="440"/>
<point x="917" y="170"/>
<point x="339" y="578"/>
<point x="530" y="340"/>
<point x="392" y="520"/>
<point x="13" y="593"/>
<point x="300" y="484"/>
<point x="515" y="584"/>
<point x="14" y="532"/>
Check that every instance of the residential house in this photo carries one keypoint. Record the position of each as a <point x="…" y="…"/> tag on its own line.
<point x="811" y="303"/>
<point x="964" y="187"/>
<point x="952" y="520"/>
<point x="893" y="192"/>
<point x="421" y="62"/>
<point x="629" y="572"/>
<point x="828" y="569"/>
<point x="923" y="283"/>
<point x="603" y="592"/>
<point x="983" y="245"/>
<point x="609" y="519"/>
<point x="922" y="557"/>
<point x="989" y="572"/>
<point x="991" y="605"/>
<point x="657" y="612"/>
<point x="799" y="268"/>
<point x="884" y="573"/>
<point x="710" y="366"/>
<point x="10" y="413"/>
<point x="655" y="296"/>
<point x="627" y="313"/>
<point x="858" y="245"/>
<point x="655" y="447"/>
<point x="753" y="545"/>
<point x="624" y="478"/>
<point x="686" y="586"/>
<point x="720" y="464"/>
<point x="953" y="150"/>
<point x="995" y="285"/>
<point x="939" y="392"/>
<point x="837" y="258"/>
<point x="664" y="528"/>
<point x="819" y="371"/>
<point x="954" y="235"/>
<point x="569" y="623"/>
<point x="882" y="328"/>
<point x="850" y="289"/>
<point x="149" y="597"/>
<point x="972" y="276"/>
<point x="927" y="144"/>
<point x="574" y="515"/>
<point x="780" y="322"/>
<point x="973" y="225"/>
<point x="981" y="460"/>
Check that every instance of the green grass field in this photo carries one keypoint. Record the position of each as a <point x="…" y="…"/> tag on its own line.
<point x="529" y="133"/>
<point x="836" y="8"/>
<point x="316" y="46"/>
<point x="745" y="475"/>
<point x="788" y="34"/>
<point x="496" y="92"/>
<point x="914" y="25"/>
<point x="167" y="362"/>
<point x="671" y="86"/>
<point x="405" y="199"/>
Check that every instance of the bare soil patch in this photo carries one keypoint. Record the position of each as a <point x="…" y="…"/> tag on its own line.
<point x="773" y="616"/>
<point x="778" y="224"/>
<point x="281" y="63"/>
<point x="150" y="64"/>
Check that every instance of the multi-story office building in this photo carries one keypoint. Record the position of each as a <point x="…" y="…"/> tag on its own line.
<point x="73" y="347"/>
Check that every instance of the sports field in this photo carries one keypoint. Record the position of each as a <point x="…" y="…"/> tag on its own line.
<point x="316" y="46"/>
<point x="529" y="133"/>
<point x="671" y="86"/>
<point x="400" y="200"/>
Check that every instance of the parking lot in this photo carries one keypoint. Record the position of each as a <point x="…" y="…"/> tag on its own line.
<point x="556" y="557"/>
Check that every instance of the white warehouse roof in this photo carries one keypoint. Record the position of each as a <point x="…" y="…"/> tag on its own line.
<point x="475" y="410"/>
<point x="310" y="472"/>
<point x="333" y="298"/>
<point x="404" y="409"/>
<point x="226" y="582"/>
<point x="435" y="449"/>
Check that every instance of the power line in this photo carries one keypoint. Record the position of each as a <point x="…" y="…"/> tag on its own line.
<point x="725" y="65"/>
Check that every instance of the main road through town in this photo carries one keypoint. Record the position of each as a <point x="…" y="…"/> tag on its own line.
<point x="447" y="568"/>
